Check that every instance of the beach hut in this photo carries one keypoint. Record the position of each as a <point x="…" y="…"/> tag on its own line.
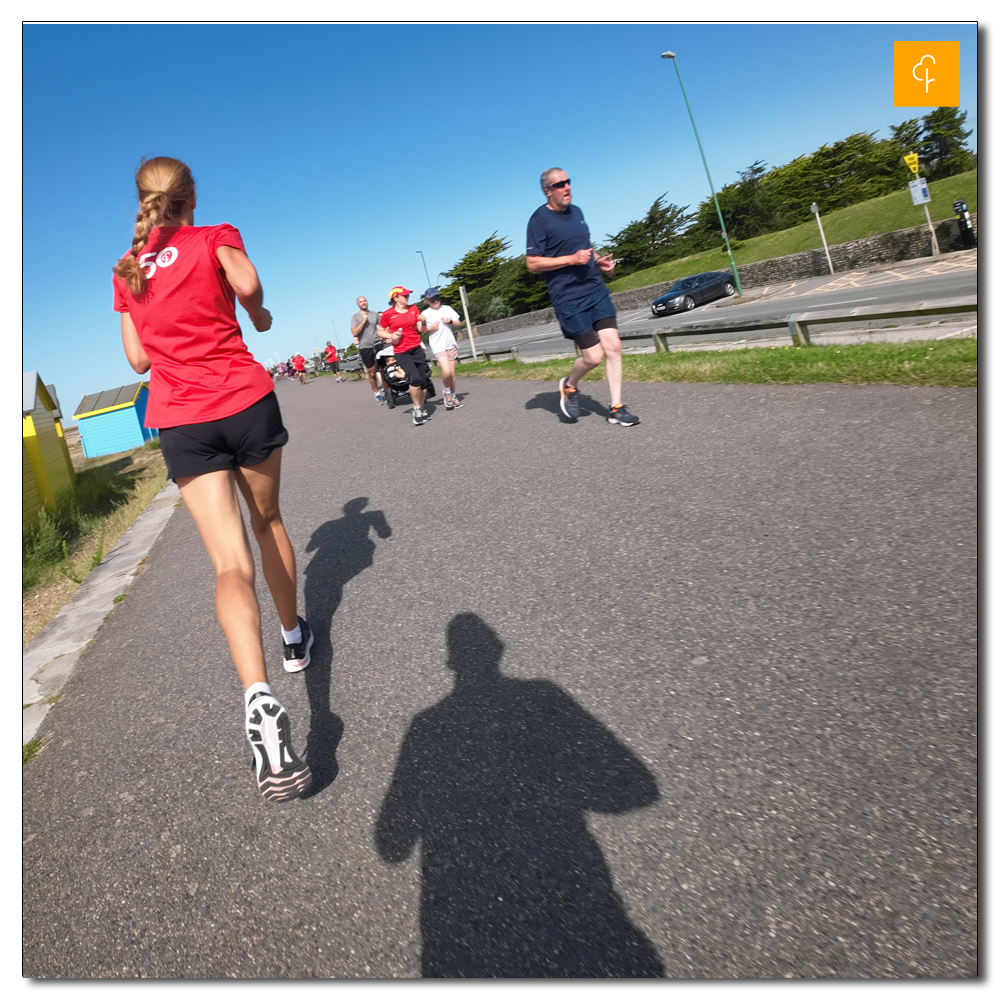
<point x="111" y="421"/>
<point x="46" y="469"/>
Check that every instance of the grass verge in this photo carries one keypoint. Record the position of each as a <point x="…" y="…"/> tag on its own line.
<point x="867" y="218"/>
<point x="66" y="544"/>
<point x="915" y="362"/>
<point x="32" y="749"/>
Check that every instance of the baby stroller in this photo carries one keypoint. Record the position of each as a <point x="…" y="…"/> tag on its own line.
<point x="395" y="384"/>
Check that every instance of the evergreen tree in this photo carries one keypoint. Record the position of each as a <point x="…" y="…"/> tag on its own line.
<point x="648" y="241"/>
<point x="477" y="268"/>
<point x="907" y="135"/>
<point x="943" y="146"/>
<point x="748" y="207"/>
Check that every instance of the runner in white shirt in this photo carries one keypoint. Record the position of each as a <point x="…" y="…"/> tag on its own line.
<point x="438" y="321"/>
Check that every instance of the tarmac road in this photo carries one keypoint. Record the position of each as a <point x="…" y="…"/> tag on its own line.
<point x="694" y="699"/>
<point x="908" y="281"/>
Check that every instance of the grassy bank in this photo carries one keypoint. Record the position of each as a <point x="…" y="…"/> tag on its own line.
<point x="56" y="555"/>
<point x="919" y="362"/>
<point x="868" y="218"/>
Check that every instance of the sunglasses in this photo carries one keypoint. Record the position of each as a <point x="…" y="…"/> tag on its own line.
<point x="557" y="185"/>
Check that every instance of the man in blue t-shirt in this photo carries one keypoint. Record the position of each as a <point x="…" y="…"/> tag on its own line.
<point x="559" y="248"/>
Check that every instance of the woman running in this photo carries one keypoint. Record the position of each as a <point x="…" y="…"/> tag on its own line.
<point x="402" y="327"/>
<point x="220" y="431"/>
<point x="438" y="320"/>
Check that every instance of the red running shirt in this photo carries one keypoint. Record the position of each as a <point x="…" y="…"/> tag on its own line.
<point x="406" y="322"/>
<point x="201" y="369"/>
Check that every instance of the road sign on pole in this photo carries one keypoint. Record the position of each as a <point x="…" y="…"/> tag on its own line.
<point x="468" y="325"/>
<point x="814" y="208"/>
<point x="919" y="191"/>
<point x="921" y="195"/>
<point x="913" y="162"/>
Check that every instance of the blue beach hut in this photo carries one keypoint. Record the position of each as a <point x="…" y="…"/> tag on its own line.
<point x="111" y="421"/>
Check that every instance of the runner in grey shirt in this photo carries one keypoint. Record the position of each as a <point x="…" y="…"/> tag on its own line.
<point x="364" y="323"/>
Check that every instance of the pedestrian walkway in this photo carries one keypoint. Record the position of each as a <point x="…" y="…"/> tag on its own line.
<point x="726" y="739"/>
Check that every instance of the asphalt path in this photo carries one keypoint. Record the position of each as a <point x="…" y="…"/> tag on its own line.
<point x="693" y="699"/>
<point x="910" y="281"/>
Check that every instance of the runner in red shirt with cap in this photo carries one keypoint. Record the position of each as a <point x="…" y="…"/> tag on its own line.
<point x="220" y="432"/>
<point x="402" y="326"/>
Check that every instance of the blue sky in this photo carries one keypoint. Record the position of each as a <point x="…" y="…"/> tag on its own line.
<point x="341" y="150"/>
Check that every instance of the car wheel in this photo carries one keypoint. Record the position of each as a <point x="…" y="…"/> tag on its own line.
<point x="729" y="288"/>
<point x="688" y="303"/>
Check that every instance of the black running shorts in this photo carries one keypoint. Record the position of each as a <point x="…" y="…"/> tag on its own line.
<point x="368" y="356"/>
<point x="414" y="363"/>
<point x="246" y="438"/>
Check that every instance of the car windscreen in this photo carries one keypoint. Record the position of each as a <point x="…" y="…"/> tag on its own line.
<point x="683" y="283"/>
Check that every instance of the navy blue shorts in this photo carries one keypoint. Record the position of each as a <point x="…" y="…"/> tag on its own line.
<point x="243" y="439"/>
<point x="580" y="319"/>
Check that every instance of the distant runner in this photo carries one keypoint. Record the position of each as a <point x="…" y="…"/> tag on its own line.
<point x="332" y="360"/>
<point x="438" y="320"/>
<point x="299" y="364"/>
<point x="401" y="326"/>
<point x="364" y="329"/>
<point x="559" y="248"/>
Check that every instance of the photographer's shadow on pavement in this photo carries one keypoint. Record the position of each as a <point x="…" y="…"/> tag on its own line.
<point x="549" y="401"/>
<point x="494" y="782"/>
<point x="344" y="548"/>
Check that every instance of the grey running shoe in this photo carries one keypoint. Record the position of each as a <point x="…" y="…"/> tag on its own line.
<point x="449" y="401"/>
<point x="419" y="415"/>
<point x="281" y="775"/>
<point x="619" y="415"/>
<point x="297" y="656"/>
<point x="569" y="401"/>
<point x="380" y="397"/>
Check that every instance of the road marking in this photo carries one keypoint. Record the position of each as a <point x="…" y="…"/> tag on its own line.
<point x="844" y="302"/>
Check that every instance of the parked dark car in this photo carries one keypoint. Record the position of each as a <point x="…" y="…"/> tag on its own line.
<point x="690" y="292"/>
<point x="351" y="364"/>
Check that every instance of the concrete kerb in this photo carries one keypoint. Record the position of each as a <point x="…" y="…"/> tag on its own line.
<point x="51" y="656"/>
<point x="933" y="330"/>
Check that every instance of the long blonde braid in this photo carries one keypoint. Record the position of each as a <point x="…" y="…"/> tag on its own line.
<point x="165" y="187"/>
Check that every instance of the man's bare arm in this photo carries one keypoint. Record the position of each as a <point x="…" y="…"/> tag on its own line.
<point x="537" y="265"/>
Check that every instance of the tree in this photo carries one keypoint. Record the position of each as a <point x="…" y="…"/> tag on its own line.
<point x="748" y="207"/>
<point x="520" y="290"/>
<point x="942" y="145"/>
<point x="648" y="241"/>
<point x="907" y="135"/>
<point x="477" y="268"/>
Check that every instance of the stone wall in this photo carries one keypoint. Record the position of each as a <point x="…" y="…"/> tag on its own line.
<point x="902" y="244"/>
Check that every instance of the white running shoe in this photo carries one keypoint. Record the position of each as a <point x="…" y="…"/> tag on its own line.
<point x="280" y="774"/>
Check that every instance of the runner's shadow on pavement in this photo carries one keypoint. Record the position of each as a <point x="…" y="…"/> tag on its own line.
<point x="344" y="548"/>
<point x="494" y="783"/>
<point x="549" y="401"/>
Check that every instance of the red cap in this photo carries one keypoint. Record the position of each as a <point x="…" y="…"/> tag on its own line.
<point x="399" y="290"/>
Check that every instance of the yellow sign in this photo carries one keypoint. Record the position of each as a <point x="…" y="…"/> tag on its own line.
<point x="912" y="161"/>
<point x="925" y="74"/>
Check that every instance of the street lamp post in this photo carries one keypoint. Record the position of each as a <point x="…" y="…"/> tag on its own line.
<point x="424" y="262"/>
<point x="725" y="235"/>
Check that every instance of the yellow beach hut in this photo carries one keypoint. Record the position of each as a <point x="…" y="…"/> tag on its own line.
<point x="46" y="469"/>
